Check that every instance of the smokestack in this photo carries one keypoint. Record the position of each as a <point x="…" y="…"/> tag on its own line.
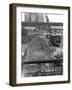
<point x="47" y="19"/>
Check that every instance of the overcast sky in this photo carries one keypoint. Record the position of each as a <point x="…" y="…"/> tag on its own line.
<point x="52" y="17"/>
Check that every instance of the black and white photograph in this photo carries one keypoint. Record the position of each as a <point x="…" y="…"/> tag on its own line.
<point x="40" y="52"/>
<point x="41" y="45"/>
